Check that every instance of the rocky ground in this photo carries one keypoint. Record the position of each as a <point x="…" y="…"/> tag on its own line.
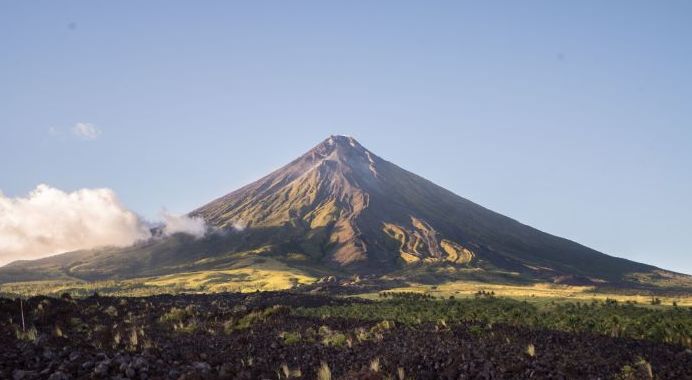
<point x="257" y="336"/>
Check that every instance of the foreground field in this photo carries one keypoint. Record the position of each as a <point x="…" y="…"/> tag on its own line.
<point x="273" y="278"/>
<point x="290" y="335"/>
<point x="539" y="293"/>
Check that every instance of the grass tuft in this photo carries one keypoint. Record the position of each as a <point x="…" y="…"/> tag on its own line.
<point x="324" y="373"/>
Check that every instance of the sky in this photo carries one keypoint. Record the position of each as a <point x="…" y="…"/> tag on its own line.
<point x="572" y="117"/>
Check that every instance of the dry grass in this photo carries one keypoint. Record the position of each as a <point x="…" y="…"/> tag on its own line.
<point x="536" y="293"/>
<point x="267" y="275"/>
<point x="324" y="373"/>
<point x="240" y="280"/>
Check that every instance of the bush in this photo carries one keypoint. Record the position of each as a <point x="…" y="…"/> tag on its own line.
<point x="291" y="337"/>
<point x="670" y="325"/>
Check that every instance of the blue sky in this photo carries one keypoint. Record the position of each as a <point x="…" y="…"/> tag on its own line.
<point x="572" y="117"/>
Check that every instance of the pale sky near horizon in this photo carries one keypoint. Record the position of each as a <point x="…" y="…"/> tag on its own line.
<point x="572" y="117"/>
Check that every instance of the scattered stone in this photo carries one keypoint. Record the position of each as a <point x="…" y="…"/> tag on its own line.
<point x="201" y="366"/>
<point x="101" y="369"/>
<point x="199" y="347"/>
<point x="19" y="374"/>
<point x="58" y="376"/>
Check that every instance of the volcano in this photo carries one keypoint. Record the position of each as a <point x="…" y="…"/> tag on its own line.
<point x="340" y="209"/>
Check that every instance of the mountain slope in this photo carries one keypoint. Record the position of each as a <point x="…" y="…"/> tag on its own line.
<point x="357" y="210"/>
<point x="341" y="209"/>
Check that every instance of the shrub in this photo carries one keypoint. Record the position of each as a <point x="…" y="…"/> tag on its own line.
<point x="251" y="318"/>
<point x="30" y="335"/>
<point x="641" y="370"/>
<point x="291" y="337"/>
<point x="177" y="315"/>
<point x="335" y="339"/>
<point x="669" y="325"/>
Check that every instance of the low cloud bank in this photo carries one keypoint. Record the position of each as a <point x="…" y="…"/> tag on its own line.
<point x="50" y="221"/>
<point x="173" y="224"/>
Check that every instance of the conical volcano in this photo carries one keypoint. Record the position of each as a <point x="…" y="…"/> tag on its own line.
<point x="341" y="209"/>
<point x="343" y="206"/>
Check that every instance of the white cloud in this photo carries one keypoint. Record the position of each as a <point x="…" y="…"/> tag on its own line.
<point x="239" y="225"/>
<point x="182" y="223"/>
<point x="50" y="221"/>
<point x="86" y="131"/>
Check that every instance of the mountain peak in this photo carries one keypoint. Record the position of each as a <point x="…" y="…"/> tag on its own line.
<point x="342" y="141"/>
<point x="343" y="150"/>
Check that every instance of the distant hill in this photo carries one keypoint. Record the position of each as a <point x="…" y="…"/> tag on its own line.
<point x="339" y="209"/>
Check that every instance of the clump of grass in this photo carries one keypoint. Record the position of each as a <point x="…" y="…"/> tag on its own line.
<point x="248" y="320"/>
<point x="134" y="338"/>
<point x="177" y="315"/>
<point x="400" y="373"/>
<point x="384" y="325"/>
<point x="531" y="350"/>
<point x="476" y="330"/>
<point x="310" y="335"/>
<point x="361" y="334"/>
<point x="332" y="338"/>
<point x="291" y="337"/>
<point x="117" y="338"/>
<point x="375" y="365"/>
<point x="251" y="318"/>
<point x="336" y="339"/>
<point x="290" y="373"/>
<point x="190" y="327"/>
<point x="28" y="335"/>
<point x="641" y="370"/>
<point x="111" y="311"/>
<point x="324" y="373"/>
<point x="181" y="320"/>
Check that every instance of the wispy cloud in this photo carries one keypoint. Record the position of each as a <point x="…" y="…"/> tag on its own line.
<point x="86" y="131"/>
<point x="183" y="224"/>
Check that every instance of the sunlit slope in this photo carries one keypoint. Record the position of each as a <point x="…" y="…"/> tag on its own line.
<point x="340" y="209"/>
